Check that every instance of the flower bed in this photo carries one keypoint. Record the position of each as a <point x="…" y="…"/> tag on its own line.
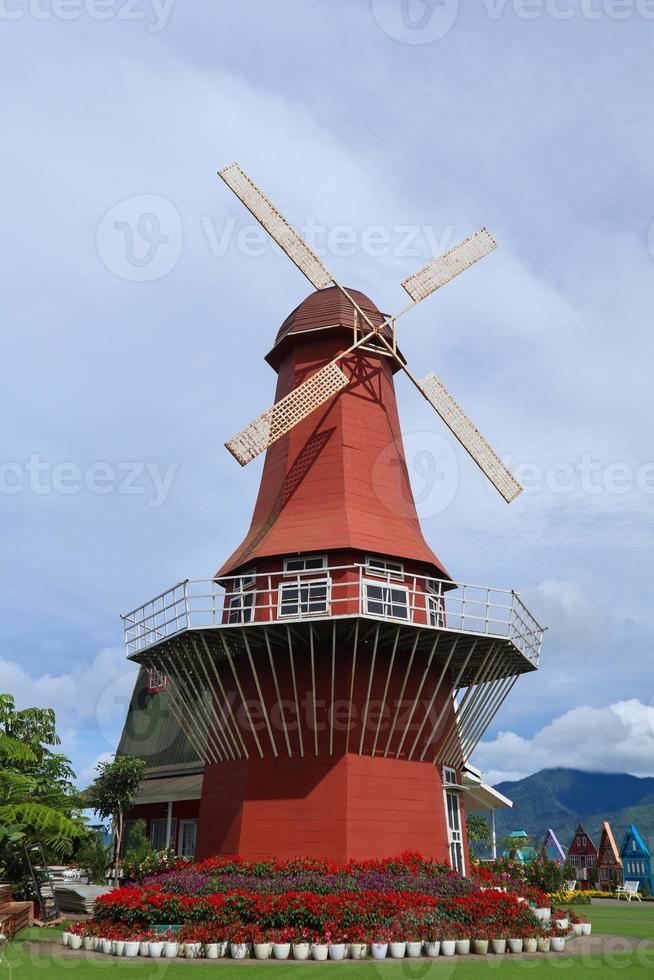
<point x="405" y="905"/>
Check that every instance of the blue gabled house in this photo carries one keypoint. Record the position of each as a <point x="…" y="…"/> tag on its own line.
<point x="552" y="848"/>
<point x="637" y="860"/>
<point x="518" y="847"/>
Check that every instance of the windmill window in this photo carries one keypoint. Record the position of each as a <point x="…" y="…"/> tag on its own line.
<point x="246" y="581"/>
<point x="241" y="607"/>
<point x="449" y="775"/>
<point x="305" y="563"/>
<point x="308" y="598"/>
<point x="384" y="568"/>
<point x="435" y="610"/>
<point x="388" y="601"/>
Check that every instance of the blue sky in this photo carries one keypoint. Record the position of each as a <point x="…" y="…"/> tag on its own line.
<point x="133" y="347"/>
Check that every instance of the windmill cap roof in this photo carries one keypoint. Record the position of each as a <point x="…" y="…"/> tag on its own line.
<point x="324" y="310"/>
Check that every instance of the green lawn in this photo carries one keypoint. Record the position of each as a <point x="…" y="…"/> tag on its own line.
<point x="627" y="920"/>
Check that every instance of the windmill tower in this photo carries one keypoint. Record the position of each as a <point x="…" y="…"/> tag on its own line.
<point x="332" y="676"/>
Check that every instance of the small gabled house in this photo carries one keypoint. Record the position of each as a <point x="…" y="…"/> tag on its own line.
<point x="609" y="865"/>
<point x="552" y="849"/>
<point x="637" y="860"/>
<point x="583" y="855"/>
<point x="519" y="848"/>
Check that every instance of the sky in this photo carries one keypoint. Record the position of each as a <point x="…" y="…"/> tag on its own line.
<point x="139" y="299"/>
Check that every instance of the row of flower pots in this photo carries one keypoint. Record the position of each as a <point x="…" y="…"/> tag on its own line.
<point x="167" y="947"/>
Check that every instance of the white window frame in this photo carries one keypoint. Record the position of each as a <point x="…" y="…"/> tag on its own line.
<point x="237" y="602"/>
<point x="190" y="821"/>
<point x="454" y="835"/>
<point x="386" y="602"/>
<point x="301" y="583"/>
<point x="302" y="560"/>
<point x="435" y="609"/>
<point x="173" y="831"/>
<point x="246" y="580"/>
<point x="449" y="776"/>
<point x="386" y="568"/>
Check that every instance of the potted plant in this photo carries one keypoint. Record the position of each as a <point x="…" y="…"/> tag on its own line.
<point x="397" y="945"/>
<point x="515" y="945"/>
<point x="586" y="926"/>
<point x="557" y="942"/>
<point x="432" y="938"/>
<point x="301" y="944"/>
<point x="379" y="944"/>
<point x="448" y="939"/>
<point x="462" y="940"/>
<point x="132" y="943"/>
<point x="319" y="948"/>
<point x="144" y="943"/>
<point x="530" y="943"/>
<point x="358" y="945"/>
<point x="480" y="943"/>
<point x="497" y="942"/>
<point x="281" y="943"/>
<point x="170" y="944"/>
<point x="155" y="946"/>
<point x="238" y="943"/>
<point x="337" y="943"/>
<point x="561" y="919"/>
<point x="544" y="941"/>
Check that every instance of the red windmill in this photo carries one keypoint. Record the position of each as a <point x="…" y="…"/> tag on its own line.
<point x="331" y="676"/>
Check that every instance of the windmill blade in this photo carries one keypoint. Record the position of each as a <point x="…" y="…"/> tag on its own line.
<point x="469" y="436"/>
<point x="276" y="225"/>
<point x="272" y="424"/>
<point x="449" y="265"/>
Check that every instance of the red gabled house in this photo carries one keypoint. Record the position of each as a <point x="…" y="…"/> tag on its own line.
<point x="583" y="855"/>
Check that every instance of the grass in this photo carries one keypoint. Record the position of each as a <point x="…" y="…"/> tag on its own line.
<point x="632" y="920"/>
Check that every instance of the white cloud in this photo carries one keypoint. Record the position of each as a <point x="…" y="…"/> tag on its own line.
<point x="616" y="738"/>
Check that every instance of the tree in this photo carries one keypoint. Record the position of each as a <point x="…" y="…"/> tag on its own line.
<point x="38" y="799"/>
<point x="479" y="831"/>
<point x="113" y="793"/>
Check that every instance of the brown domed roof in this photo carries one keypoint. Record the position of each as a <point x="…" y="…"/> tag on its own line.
<point x="324" y="309"/>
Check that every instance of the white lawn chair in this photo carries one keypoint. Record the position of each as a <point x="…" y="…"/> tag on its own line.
<point x="569" y="886"/>
<point x="629" y="890"/>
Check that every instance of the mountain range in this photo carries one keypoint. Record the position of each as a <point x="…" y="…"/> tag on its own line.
<point x="563" y="798"/>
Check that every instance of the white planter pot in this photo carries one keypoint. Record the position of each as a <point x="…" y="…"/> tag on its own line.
<point x="480" y="946"/>
<point x="262" y="951"/>
<point x="192" y="951"/>
<point x="448" y="947"/>
<point x="544" y="914"/>
<point x="238" y="951"/>
<point x="544" y="944"/>
<point x="357" y="951"/>
<point x="413" y="949"/>
<point x="498" y="946"/>
<point x="557" y="944"/>
<point x="515" y="945"/>
<point x="144" y="948"/>
<point x="170" y="950"/>
<point x="379" y="950"/>
<point x="105" y="946"/>
<point x="530" y="945"/>
<point x="281" y="951"/>
<point x="211" y="951"/>
<point x="462" y="947"/>
<point x="74" y="942"/>
<point x="65" y="938"/>
<point x="132" y="949"/>
<point x="576" y="928"/>
<point x="301" y="951"/>
<point x="397" y="950"/>
<point x="432" y="948"/>
<point x="88" y="943"/>
<point x="586" y="928"/>
<point x="118" y="946"/>
<point x="562" y="923"/>
<point x="336" y="951"/>
<point x="319" y="951"/>
<point x="155" y="950"/>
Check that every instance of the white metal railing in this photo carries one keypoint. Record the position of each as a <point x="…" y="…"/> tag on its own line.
<point x="336" y="591"/>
